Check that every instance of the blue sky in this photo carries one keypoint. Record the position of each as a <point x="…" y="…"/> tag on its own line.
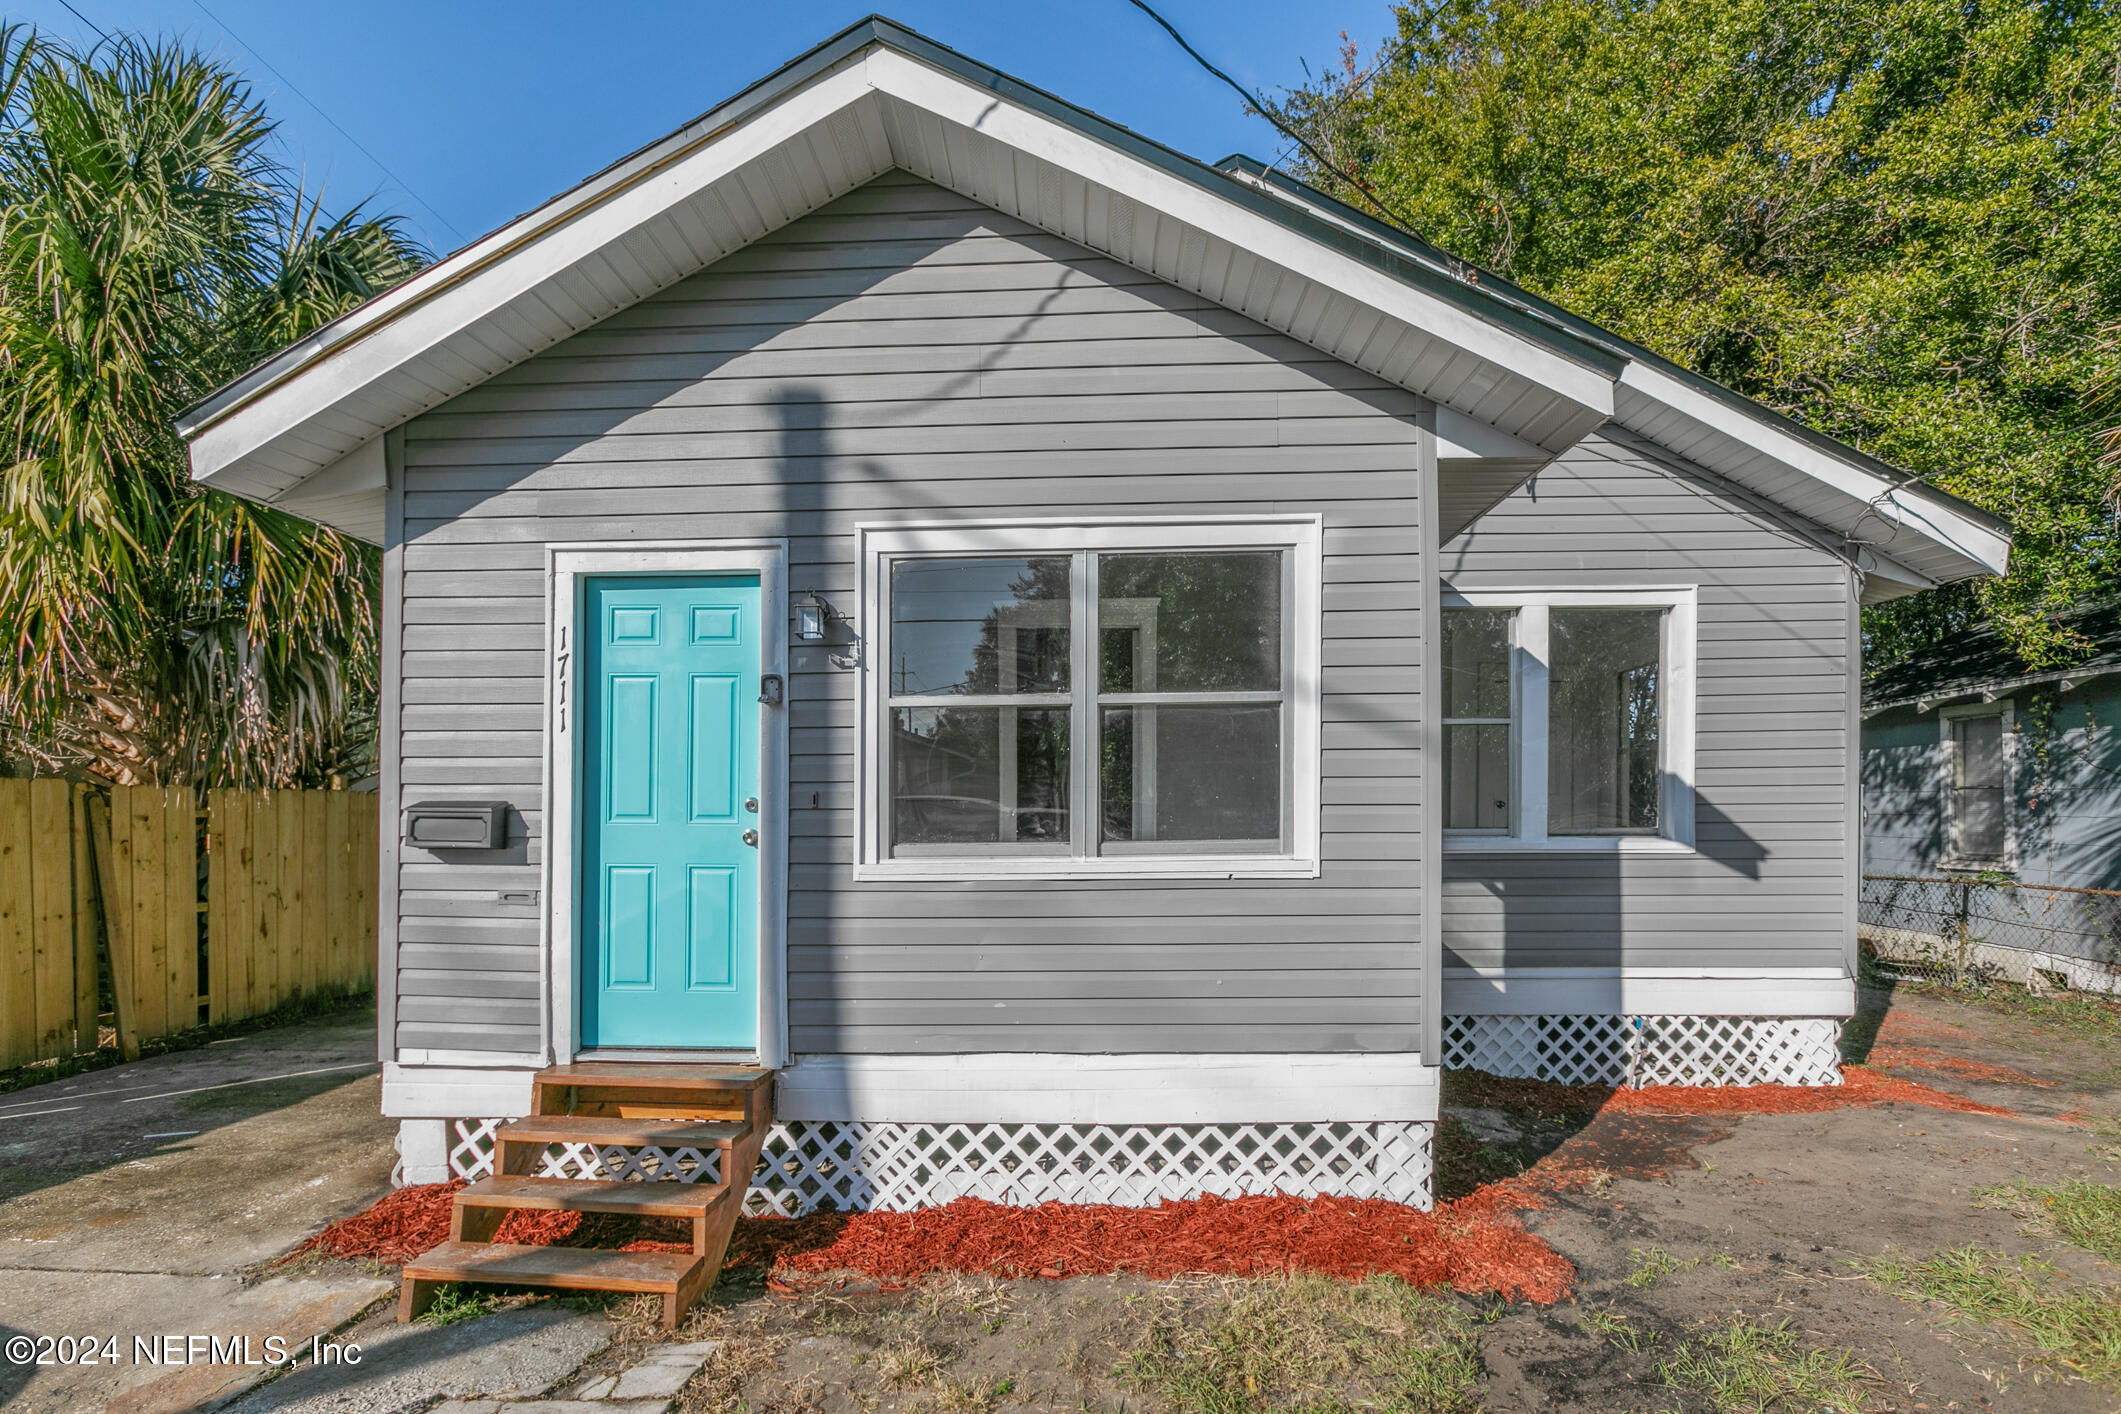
<point x="483" y="110"/>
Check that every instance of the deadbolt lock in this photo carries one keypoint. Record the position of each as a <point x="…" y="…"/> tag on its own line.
<point x="752" y="805"/>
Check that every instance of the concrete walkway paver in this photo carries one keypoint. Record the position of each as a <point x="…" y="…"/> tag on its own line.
<point x="133" y="1199"/>
<point x="522" y="1352"/>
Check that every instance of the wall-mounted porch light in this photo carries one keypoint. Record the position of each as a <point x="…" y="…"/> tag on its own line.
<point x="813" y="618"/>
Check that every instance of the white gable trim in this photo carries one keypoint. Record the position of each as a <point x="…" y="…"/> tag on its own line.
<point x="1072" y="150"/>
<point x="1935" y="520"/>
<point x="1678" y="414"/>
<point x="508" y="267"/>
<point x="802" y="141"/>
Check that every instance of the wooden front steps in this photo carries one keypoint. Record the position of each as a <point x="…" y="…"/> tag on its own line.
<point x="717" y="1109"/>
<point x="677" y="1277"/>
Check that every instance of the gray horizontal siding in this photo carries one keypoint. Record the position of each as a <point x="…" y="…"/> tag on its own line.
<point x="1767" y="883"/>
<point x="2063" y="804"/>
<point x="905" y="353"/>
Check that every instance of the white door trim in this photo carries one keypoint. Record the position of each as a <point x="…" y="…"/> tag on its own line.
<point x="566" y="567"/>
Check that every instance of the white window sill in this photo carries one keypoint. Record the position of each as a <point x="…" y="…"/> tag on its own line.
<point x="1976" y="866"/>
<point x="1570" y="844"/>
<point x="961" y="870"/>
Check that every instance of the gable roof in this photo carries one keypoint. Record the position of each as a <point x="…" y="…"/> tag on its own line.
<point x="1836" y="486"/>
<point x="1517" y="380"/>
<point x="1981" y="663"/>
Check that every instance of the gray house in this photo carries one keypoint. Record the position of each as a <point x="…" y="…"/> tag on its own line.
<point x="1992" y="803"/>
<point x="1099" y="674"/>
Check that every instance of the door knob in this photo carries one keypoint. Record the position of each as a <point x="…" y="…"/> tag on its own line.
<point x="751" y="837"/>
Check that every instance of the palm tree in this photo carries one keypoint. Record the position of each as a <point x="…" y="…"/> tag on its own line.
<point x="151" y="248"/>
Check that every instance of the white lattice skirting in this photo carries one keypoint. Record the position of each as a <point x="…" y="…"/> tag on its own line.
<point x="849" y="1165"/>
<point x="1649" y="1050"/>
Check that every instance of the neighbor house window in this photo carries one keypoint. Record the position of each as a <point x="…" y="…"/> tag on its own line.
<point x="1118" y="699"/>
<point x="1568" y="719"/>
<point x="1977" y="784"/>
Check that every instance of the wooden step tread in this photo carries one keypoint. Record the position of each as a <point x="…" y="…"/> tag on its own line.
<point x="609" y="1129"/>
<point x="656" y="1077"/>
<point x="575" y="1268"/>
<point x="660" y="1199"/>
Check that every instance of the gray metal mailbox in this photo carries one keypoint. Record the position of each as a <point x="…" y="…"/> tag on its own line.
<point x="457" y="824"/>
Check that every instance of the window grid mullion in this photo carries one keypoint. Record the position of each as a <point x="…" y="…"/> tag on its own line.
<point x="1233" y="698"/>
<point x="1530" y="757"/>
<point x="1083" y="748"/>
<point x="985" y="699"/>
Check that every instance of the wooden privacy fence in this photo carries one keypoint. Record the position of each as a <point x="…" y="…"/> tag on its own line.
<point x="153" y="903"/>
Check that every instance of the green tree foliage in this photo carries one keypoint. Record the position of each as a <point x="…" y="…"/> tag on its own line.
<point x="150" y="249"/>
<point x="1892" y="219"/>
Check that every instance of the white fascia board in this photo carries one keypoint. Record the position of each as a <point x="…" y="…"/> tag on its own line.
<point x="1648" y="991"/>
<point x="510" y="271"/>
<point x="955" y="101"/>
<point x="1013" y="1088"/>
<point x="455" y="1092"/>
<point x="1957" y="533"/>
<point x="1109" y="1089"/>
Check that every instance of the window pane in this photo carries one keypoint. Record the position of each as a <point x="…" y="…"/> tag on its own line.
<point x="1192" y="774"/>
<point x="1977" y="786"/>
<point x="1603" y="686"/>
<point x="979" y="626"/>
<point x="1190" y="623"/>
<point x="1476" y="768"/>
<point x="1476" y="663"/>
<point x="979" y="775"/>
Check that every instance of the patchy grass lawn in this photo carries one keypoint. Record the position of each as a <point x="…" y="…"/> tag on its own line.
<point x="1309" y="1343"/>
<point x="2082" y="1015"/>
<point x="2074" y="1326"/>
<point x="1765" y="1370"/>
<point x="2083" y="1214"/>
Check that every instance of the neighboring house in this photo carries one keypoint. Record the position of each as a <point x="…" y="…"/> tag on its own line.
<point x="1980" y="771"/>
<point x="1973" y="763"/>
<point x="1104" y="672"/>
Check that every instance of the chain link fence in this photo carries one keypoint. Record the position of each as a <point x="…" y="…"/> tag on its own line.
<point x="1981" y="928"/>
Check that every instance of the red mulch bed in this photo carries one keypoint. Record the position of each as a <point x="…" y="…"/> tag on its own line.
<point x="1482" y="1249"/>
<point x="1475" y="1244"/>
<point x="1893" y="1057"/>
<point x="1860" y="1085"/>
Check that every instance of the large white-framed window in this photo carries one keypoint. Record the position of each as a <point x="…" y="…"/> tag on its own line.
<point x="1125" y="697"/>
<point x="1568" y="719"/>
<point x="1976" y="742"/>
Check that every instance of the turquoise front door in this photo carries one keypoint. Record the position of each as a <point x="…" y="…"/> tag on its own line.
<point x="669" y="812"/>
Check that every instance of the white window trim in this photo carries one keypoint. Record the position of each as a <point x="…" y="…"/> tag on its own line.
<point x="1947" y="753"/>
<point x="1301" y="535"/>
<point x="567" y="567"/>
<point x="1528" y="730"/>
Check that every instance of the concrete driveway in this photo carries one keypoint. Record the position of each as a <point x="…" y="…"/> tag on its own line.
<point x="132" y="1201"/>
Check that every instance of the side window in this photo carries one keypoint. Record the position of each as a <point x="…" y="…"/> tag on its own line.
<point x="1978" y="781"/>
<point x="1568" y="719"/>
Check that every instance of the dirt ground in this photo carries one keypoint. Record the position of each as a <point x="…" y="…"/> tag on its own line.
<point x="1724" y="1264"/>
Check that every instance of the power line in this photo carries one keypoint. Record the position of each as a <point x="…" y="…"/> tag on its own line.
<point x="318" y="109"/>
<point x="86" y="20"/>
<point x="1259" y="106"/>
<point x="1351" y="90"/>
